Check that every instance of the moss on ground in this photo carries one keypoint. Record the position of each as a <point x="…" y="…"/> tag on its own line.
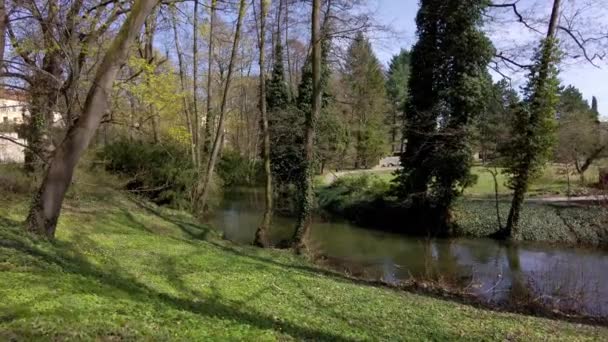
<point x="123" y="269"/>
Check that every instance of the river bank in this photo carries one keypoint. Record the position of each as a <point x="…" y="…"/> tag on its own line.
<point x="124" y="269"/>
<point x="364" y="200"/>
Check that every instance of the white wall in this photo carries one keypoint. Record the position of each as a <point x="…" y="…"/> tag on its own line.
<point x="11" y="152"/>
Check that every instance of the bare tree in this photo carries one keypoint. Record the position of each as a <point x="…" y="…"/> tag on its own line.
<point x="261" y="235"/>
<point x="205" y="182"/>
<point x="46" y="204"/>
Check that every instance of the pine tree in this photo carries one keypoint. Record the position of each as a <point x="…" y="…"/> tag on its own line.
<point x="448" y="88"/>
<point x="366" y="91"/>
<point x="594" y="108"/>
<point x="277" y="91"/>
<point x="396" y="88"/>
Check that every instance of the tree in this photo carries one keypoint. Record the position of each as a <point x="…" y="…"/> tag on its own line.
<point x="277" y="91"/>
<point x="46" y="204"/>
<point x="210" y="117"/>
<point x="396" y="89"/>
<point x="494" y="126"/>
<point x="578" y="132"/>
<point x="594" y="107"/>
<point x="534" y="125"/>
<point x="366" y="94"/>
<point x="306" y="182"/>
<point x="205" y="182"/>
<point x="261" y="238"/>
<point x="447" y="91"/>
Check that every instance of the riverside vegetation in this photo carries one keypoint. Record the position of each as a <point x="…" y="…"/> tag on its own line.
<point x="366" y="200"/>
<point x="123" y="268"/>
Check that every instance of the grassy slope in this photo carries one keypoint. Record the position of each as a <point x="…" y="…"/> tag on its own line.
<point x="123" y="269"/>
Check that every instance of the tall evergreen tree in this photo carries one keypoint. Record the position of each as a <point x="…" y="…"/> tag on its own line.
<point x="494" y="126"/>
<point x="277" y="90"/>
<point x="594" y="108"/>
<point x="448" y="88"/>
<point x="366" y="91"/>
<point x="286" y="128"/>
<point x="396" y="88"/>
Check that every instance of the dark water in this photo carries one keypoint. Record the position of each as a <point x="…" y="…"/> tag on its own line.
<point x="569" y="279"/>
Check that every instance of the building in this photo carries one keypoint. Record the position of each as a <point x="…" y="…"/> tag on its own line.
<point x="10" y="152"/>
<point x="13" y="110"/>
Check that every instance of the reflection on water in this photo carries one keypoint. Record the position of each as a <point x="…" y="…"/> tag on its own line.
<point x="570" y="278"/>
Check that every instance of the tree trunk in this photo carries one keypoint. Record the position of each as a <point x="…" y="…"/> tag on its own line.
<point x="3" y="21"/>
<point x="287" y="53"/>
<point x="306" y="183"/>
<point x="192" y="129"/>
<point x="209" y="122"/>
<point x="521" y="184"/>
<point x="46" y="203"/>
<point x="205" y="182"/>
<point x="196" y="119"/>
<point x="261" y="235"/>
<point x="149" y="31"/>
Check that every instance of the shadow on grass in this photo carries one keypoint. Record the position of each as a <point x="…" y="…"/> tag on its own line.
<point x="67" y="257"/>
<point x="194" y="231"/>
<point x="199" y="232"/>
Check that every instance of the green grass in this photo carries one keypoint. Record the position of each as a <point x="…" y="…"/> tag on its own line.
<point x="365" y="200"/>
<point x="123" y="269"/>
<point x="552" y="182"/>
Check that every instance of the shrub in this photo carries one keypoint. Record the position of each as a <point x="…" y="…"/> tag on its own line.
<point x="162" y="172"/>
<point x="351" y="191"/>
<point x="235" y="170"/>
<point x="13" y="180"/>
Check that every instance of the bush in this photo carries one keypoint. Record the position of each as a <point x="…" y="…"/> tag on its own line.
<point x="162" y="172"/>
<point x="13" y="180"/>
<point x="352" y="191"/>
<point x="235" y="170"/>
<point x="364" y="201"/>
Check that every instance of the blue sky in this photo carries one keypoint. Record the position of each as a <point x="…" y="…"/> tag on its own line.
<point x="400" y="15"/>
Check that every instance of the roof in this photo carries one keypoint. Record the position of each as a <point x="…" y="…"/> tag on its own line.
<point x="10" y="94"/>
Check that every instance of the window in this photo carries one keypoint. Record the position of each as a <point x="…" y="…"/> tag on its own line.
<point x="5" y="119"/>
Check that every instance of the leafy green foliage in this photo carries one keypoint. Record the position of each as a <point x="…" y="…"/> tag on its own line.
<point x="352" y="197"/>
<point x="448" y="89"/>
<point x="277" y="91"/>
<point x="366" y="93"/>
<point x="332" y="139"/>
<point x="123" y="269"/>
<point x="398" y="78"/>
<point x="235" y="170"/>
<point x="534" y="125"/>
<point x="494" y="127"/>
<point x="397" y="91"/>
<point x="286" y="141"/>
<point x="164" y="173"/>
<point x="579" y="140"/>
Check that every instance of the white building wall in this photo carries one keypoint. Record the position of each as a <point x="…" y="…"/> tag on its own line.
<point x="11" y="152"/>
<point x="12" y="111"/>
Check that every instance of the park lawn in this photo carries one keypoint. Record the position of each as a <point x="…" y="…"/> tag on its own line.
<point x="552" y="182"/>
<point x="123" y="269"/>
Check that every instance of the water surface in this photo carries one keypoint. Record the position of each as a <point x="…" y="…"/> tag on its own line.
<point x="568" y="278"/>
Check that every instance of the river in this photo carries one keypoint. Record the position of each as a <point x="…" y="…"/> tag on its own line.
<point x="566" y="278"/>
